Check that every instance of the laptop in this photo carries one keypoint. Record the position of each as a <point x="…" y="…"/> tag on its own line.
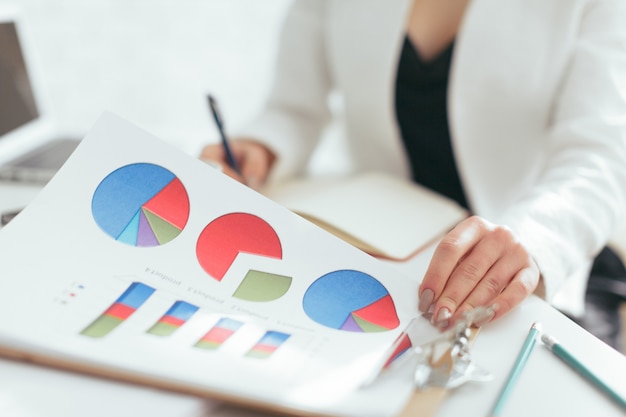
<point x="30" y="148"/>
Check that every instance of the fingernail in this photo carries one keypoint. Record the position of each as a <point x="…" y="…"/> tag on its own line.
<point x="426" y="299"/>
<point x="253" y="182"/>
<point x="443" y="318"/>
<point x="490" y="315"/>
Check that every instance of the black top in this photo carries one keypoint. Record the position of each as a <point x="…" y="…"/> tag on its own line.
<point x="421" y="111"/>
<point x="421" y="100"/>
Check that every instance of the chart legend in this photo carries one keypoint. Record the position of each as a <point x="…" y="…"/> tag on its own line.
<point x="127" y="303"/>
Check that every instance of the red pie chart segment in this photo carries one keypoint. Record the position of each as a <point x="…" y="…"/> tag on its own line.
<point x="171" y="204"/>
<point x="381" y="312"/>
<point x="225" y="237"/>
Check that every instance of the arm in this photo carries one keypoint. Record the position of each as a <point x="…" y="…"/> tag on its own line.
<point x="295" y="113"/>
<point x="569" y="212"/>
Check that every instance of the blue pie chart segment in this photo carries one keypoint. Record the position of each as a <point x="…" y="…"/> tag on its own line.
<point x="141" y="204"/>
<point x="350" y="300"/>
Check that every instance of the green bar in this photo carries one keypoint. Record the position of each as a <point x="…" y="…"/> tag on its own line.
<point x="258" y="354"/>
<point x="203" y="344"/>
<point x="162" y="329"/>
<point x="101" y="326"/>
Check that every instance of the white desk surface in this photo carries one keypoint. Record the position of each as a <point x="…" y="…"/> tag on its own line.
<point x="546" y="387"/>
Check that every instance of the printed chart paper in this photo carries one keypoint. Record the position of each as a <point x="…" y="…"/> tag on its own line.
<point x="139" y="258"/>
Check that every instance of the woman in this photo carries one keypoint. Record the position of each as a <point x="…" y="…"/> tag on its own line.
<point x="515" y="108"/>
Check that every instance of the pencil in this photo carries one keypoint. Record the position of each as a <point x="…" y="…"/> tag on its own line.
<point x="563" y="354"/>
<point x="230" y="158"/>
<point x="521" y="360"/>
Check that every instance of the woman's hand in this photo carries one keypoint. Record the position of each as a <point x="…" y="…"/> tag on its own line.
<point x="477" y="264"/>
<point x="255" y="160"/>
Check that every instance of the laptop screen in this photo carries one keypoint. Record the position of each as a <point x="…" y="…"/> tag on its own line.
<point x="17" y="101"/>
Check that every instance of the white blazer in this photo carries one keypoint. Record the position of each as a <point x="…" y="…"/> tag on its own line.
<point x="537" y="112"/>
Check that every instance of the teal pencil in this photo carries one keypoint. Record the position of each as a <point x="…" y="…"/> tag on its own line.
<point x="521" y="360"/>
<point x="577" y="366"/>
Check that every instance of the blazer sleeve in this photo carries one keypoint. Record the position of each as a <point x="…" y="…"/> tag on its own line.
<point x="580" y="196"/>
<point x="296" y="111"/>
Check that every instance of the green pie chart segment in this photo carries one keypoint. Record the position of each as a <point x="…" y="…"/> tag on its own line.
<point x="262" y="286"/>
<point x="350" y="300"/>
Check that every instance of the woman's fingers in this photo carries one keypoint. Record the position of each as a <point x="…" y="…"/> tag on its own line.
<point x="507" y="283"/>
<point x="477" y="263"/>
<point x="452" y="248"/>
<point x="213" y="152"/>
<point x="519" y="288"/>
<point x="470" y="270"/>
<point x="254" y="160"/>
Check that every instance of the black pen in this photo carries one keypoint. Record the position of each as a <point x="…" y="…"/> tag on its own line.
<point x="7" y="216"/>
<point x="220" y="126"/>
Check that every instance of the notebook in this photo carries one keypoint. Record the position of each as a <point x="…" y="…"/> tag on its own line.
<point x="383" y="215"/>
<point x="30" y="147"/>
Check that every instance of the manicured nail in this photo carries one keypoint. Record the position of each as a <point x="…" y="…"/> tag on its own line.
<point x="426" y="299"/>
<point x="253" y="182"/>
<point x="443" y="318"/>
<point x="490" y="315"/>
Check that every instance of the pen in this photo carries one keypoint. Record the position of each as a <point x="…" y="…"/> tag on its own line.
<point x="562" y="353"/>
<point x="7" y="216"/>
<point x="220" y="126"/>
<point x="521" y="360"/>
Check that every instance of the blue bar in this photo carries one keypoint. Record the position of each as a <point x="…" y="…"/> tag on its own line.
<point x="135" y="295"/>
<point x="182" y="310"/>
<point x="229" y="324"/>
<point x="273" y="338"/>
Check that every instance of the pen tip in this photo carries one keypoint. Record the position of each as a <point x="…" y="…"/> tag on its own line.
<point x="215" y="110"/>
<point x="548" y="340"/>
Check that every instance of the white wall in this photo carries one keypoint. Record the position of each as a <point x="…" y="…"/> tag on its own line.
<point x="153" y="61"/>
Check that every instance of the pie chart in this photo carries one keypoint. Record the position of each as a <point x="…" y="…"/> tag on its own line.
<point x="352" y="301"/>
<point x="141" y="204"/>
<point x="225" y="237"/>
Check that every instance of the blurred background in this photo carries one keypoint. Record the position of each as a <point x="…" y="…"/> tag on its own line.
<point x="152" y="62"/>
